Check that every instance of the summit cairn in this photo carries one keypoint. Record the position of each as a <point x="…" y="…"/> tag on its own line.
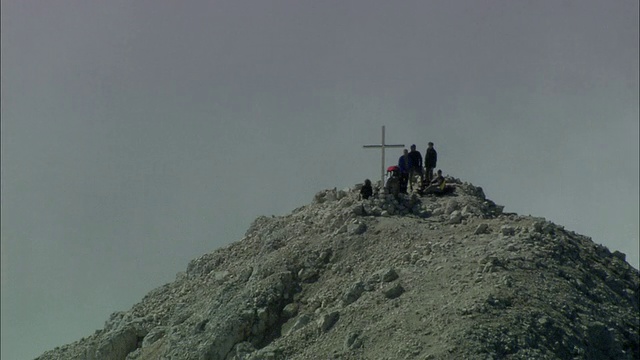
<point x="449" y="277"/>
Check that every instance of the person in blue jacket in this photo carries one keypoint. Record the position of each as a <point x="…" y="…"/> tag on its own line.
<point x="404" y="163"/>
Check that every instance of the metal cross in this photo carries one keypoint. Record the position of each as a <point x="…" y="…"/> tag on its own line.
<point x="383" y="146"/>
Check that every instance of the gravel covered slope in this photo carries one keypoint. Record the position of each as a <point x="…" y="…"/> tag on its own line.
<point x="421" y="278"/>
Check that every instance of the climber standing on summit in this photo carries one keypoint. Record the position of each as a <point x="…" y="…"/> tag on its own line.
<point x="415" y="166"/>
<point x="404" y="165"/>
<point x="430" y="160"/>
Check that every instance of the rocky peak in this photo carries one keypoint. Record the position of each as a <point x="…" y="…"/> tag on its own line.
<point x="385" y="278"/>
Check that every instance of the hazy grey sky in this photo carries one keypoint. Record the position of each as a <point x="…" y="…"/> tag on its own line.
<point x="137" y="135"/>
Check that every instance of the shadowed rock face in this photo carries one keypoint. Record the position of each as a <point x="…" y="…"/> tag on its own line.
<point x="448" y="277"/>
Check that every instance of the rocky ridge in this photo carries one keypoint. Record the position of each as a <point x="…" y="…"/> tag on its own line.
<point x="449" y="277"/>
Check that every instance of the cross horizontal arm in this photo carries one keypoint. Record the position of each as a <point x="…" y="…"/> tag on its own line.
<point x="379" y="146"/>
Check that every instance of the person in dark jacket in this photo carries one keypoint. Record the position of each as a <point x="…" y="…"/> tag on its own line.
<point x="415" y="166"/>
<point x="404" y="165"/>
<point x="438" y="186"/>
<point x="366" y="191"/>
<point x="439" y="180"/>
<point x="430" y="160"/>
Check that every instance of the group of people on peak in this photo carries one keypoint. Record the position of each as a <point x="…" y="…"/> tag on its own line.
<point x="410" y="165"/>
<point x="409" y="171"/>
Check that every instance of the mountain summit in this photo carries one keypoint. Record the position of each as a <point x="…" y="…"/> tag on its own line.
<point x="448" y="277"/>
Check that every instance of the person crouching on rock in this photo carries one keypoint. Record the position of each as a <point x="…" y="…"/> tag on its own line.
<point x="438" y="186"/>
<point x="393" y="183"/>
<point x="366" y="190"/>
<point x="439" y="180"/>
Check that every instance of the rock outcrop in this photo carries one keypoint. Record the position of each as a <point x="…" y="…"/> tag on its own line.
<point x="449" y="277"/>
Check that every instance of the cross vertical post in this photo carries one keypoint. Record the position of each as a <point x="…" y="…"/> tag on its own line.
<point x="382" y="146"/>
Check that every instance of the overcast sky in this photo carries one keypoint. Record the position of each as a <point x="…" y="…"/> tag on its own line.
<point x="138" y="135"/>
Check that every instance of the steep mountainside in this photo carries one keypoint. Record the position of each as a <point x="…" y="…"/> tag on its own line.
<point x="448" y="277"/>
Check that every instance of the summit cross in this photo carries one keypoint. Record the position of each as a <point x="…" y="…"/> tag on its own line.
<point x="383" y="146"/>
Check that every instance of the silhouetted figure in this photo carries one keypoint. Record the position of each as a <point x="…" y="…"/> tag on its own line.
<point x="366" y="191"/>
<point x="430" y="160"/>
<point x="403" y="165"/>
<point x="415" y="166"/>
